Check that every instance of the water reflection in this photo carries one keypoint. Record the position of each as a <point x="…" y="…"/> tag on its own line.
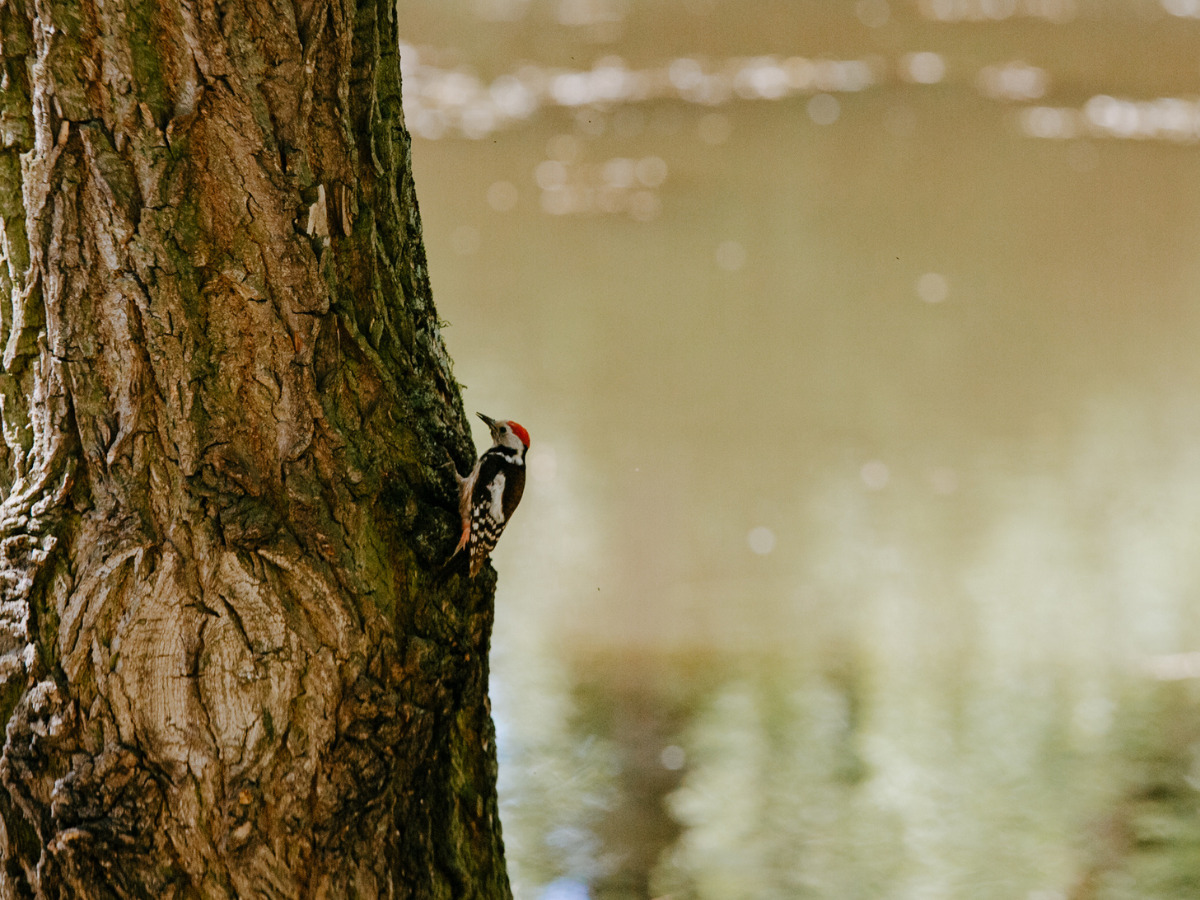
<point x="858" y="342"/>
<point x="985" y="728"/>
<point x="439" y="101"/>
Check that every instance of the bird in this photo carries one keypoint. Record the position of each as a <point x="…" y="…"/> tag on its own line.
<point x="488" y="496"/>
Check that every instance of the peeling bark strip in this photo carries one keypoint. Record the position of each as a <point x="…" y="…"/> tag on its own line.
<point x="229" y="664"/>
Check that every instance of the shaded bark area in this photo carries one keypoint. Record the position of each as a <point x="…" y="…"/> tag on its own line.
<point x="231" y="664"/>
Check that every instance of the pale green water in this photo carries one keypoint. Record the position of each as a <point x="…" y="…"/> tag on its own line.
<point x="859" y="556"/>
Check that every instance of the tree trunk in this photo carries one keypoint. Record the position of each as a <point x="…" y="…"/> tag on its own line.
<point x="234" y="664"/>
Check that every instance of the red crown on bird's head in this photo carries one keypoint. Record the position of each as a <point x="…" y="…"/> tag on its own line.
<point x="519" y="431"/>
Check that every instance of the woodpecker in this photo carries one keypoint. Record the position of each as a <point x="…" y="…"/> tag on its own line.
<point x="488" y="496"/>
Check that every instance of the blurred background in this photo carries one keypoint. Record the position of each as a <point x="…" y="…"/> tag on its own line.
<point x="858" y="342"/>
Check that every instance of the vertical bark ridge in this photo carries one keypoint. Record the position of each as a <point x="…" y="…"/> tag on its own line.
<point x="231" y="662"/>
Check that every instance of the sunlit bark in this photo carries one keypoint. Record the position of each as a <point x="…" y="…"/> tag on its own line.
<point x="232" y="663"/>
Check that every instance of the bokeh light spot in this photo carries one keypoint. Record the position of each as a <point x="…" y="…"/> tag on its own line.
<point x="875" y="475"/>
<point x="651" y="171"/>
<point x="557" y="201"/>
<point x="478" y="121"/>
<point x="565" y="889"/>
<point x="620" y="172"/>
<point x="685" y="74"/>
<point x="501" y="10"/>
<point x="1184" y="9"/>
<point x="429" y="124"/>
<point x="513" y="97"/>
<point x="1049" y="122"/>
<point x="1013" y="81"/>
<point x="502" y="196"/>
<point x="933" y="287"/>
<point x="924" y="67"/>
<point x="673" y="757"/>
<point x="550" y="174"/>
<point x="761" y="540"/>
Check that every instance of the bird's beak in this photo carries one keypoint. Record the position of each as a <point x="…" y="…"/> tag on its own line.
<point x="491" y="423"/>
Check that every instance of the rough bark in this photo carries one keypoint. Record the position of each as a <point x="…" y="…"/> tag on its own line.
<point x="233" y="664"/>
